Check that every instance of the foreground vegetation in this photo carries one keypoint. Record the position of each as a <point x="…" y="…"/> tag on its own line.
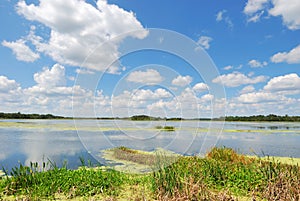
<point x="221" y="175"/>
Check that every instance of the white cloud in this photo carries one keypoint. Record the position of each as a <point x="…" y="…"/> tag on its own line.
<point x="289" y="83"/>
<point x="289" y="10"/>
<point x="253" y="6"/>
<point x="77" y="28"/>
<point x="7" y="85"/>
<point x="258" y="97"/>
<point x="84" y="71"/>
<point x="204" y="41"/>
<point x="256" y="17"/>
<point x="254" y="9"/>
<point x="150" y="76"/>
<point x="247" y="89"/>
<point x="11" y="95"/>
<point x="229" y="67"/>
<point x="137" y="101"/>
<point x="278" y="96"/>
<point x="207" y="97"/>
<point x="147" y="94"/>
<point x="219" y="16"/>
<point x="255" y="63"/>
<point x="236" y="79"/>
<point x="182" y="80"/>
<point x="200" y="87"/>
<point x="21" y="50"/>
<point x="51" y="77"/>
<point x="290" y="57"/>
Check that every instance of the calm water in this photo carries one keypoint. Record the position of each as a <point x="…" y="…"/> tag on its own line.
<point x="23" y="141"/>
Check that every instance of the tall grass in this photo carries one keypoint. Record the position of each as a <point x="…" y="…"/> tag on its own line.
<point x="222" y="169"/>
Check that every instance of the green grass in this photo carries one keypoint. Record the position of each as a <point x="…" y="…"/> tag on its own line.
<point x="222" y="175"/>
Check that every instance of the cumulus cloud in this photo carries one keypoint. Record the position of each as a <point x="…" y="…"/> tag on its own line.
<point x="258" y="97"/>
<point x="182" y="80"/>
<point x="77" y="28"/>
<point x="21" y="50"/>
<point x="137" y="101"/>
<point x="147" y="94"/>
<point x="51" y="77"/>
<point x="204" y="41"/>
<point x="289" y="83"/>
<point x="200" y="87"/>
<point x="7" y="85"/>
<point x="289" y="10"/>
<point x="160" y="102"/>
<point x="252" y="6"/>
<point x="278" y="96"/>
<point x="150" y="76"/>
<point x="290" y="57"/>
<point x="236" y="79"/>
<point x="11" y="95"/>
<point x="256" y="64"/>
<point x="247" y="89"/>
<point x="254" y="9"/>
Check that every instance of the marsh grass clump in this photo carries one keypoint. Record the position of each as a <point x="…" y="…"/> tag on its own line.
<point x="228" y="155"/>
<point x="143" y="158"/>
<point x="184" y="180"/>
<point x="124" y="153"/>
<point x="169" y="128"/>
<point x="223" y="172"/>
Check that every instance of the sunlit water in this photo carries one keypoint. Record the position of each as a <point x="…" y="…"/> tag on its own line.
<point x="23" y="141"/>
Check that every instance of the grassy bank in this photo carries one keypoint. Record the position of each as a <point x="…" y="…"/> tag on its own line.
<point x="221" y="175"/>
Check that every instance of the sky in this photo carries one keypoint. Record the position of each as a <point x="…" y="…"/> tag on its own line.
<point x="171" y="58"/>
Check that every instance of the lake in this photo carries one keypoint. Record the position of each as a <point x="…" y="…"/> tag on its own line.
<point x="23" y="141"/>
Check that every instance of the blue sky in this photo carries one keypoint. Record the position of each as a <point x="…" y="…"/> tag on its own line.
<point x="56" y="57"/>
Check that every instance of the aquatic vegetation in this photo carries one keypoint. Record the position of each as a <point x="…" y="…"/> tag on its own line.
<point x="165" y="128"/>
<point x="136" y="161"/>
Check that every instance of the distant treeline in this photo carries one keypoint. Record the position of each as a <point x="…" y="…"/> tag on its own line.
<point x="19" y="115"/>
<point x="270" y="117"/>
<point x="149" y="118"/>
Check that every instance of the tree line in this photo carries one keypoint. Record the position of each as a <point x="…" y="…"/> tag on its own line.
<point x="19" y="115"/>
<point x="270" y="117"/>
